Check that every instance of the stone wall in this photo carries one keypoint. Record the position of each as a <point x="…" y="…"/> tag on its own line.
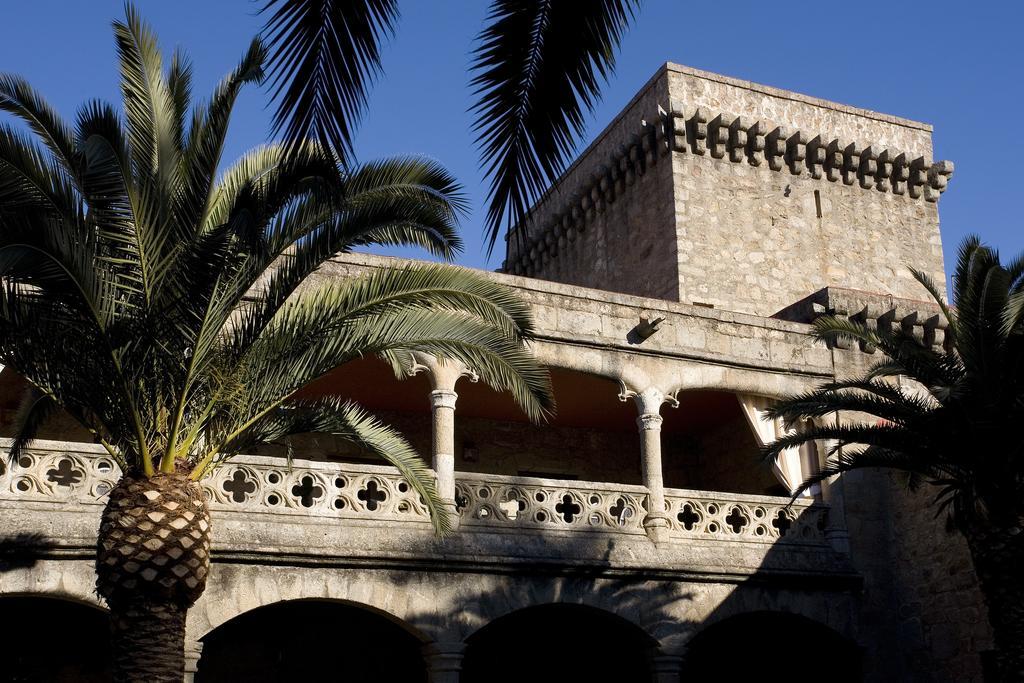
<point x="626" y="230"/>
<point x="922" y="610"/>
<point x="720" y="457"/>
<point x="774" y="195"/>
<point x="941" y="609"/>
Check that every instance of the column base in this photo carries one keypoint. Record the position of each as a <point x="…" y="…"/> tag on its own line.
<point x="444" y="661"/>
<point x="193" y="651"/>
<point x="453" y="513"/>
<point x="657" y="527"/>
<point x="666" y="668"/>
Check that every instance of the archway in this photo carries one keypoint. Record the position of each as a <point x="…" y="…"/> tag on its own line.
<point x="771" y="646"/>
<point x="592" y="437"/>
<point x="50" y="639"/>
<point x="707" y="445"/>
<point x="311" y="640"/>
<point x="557" y="643"/>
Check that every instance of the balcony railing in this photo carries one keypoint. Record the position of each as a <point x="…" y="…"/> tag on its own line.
<point x="82" y="474"/>
<point x="738" y="517"/>
<point x="495" y="501"/>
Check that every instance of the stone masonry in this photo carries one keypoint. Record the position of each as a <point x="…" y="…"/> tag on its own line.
<point x="721" y="192"/>
<point x="671" y="273"/>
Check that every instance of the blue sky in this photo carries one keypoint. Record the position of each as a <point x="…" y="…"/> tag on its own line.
<point x="952" y="64"/>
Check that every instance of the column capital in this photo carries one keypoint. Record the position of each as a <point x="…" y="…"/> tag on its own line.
<point x="444" y="372"/>
<point x="649" y="400"/>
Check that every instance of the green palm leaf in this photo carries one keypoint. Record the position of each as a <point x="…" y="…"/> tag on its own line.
<point x="172" y="312"/>
<point x="539" y="65"/>
<point x="944" y="416"/>
<point x="323" y="55"/>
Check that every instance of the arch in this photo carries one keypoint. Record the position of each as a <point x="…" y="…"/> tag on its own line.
<point x="558" y="641"/>
<point x="493" y="436"/>
<point x="738" y="380"/>
<point x="55" y="638"/>
<point x="313" y="639"/>
<point x="708" y="445"/>
<point x="72" y="580"/>
<point x="770" y="645"/>
<point x="672" y="374"/>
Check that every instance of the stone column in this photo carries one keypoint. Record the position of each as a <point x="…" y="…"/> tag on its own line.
<point x="836" y="531"/>
<point x="193" y="651"/>
<point x="444" y="374"/>
<point x="444" y="661"/>
<point x="666" y="668"/>
<point x="442" y="404"/>
<point x="648" y="403"/>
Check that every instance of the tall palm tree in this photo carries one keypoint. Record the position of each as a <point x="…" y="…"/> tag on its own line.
<point x="159" y="304"/>
<point x="949" y="417"/>
<point x="538" y="64"/>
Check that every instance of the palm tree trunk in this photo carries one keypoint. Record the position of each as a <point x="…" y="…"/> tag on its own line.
<point x="998" y="555"/>
<point x="153" y="557"/>
<point x="148" y="642"/>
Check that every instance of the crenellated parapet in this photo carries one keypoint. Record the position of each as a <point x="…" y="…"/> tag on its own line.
<point x="735" y="139"/>
<point x="759" y="142"/>
<point x="922" y="319"/>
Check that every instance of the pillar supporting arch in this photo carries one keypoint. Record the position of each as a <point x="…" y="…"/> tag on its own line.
<point x="648" y="403"/>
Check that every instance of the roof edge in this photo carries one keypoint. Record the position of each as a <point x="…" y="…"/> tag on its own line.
<point x="795" y="96"/>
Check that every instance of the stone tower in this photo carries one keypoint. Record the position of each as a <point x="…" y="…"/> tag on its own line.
<point x="715" y="191"/>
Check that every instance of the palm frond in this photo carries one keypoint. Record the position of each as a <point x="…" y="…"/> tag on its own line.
<point x="19" y="98"/>
<point x="164" y="309"/>
<point x="323" y="56"/>
<point x="31" y="179"/>
<point x="871" y="457"/>
<point x="392" y="311"/>
<point x="149" y="110"/>
<point x="956" y="427"/>
<point x="538" y="66"/>
<point x="933" y="290"/>
<point x="34" y="409"/>
<point x="344" y="419"/>
<point x="207" y="133"/>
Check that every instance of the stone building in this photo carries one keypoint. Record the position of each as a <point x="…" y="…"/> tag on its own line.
<point x="637" y="536"/>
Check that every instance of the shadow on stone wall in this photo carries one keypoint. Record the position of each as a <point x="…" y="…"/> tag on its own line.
<point x="22" y="551"/>
<point x="540" y="621"/>
<point x="574" y="596"/>
<point x="535" y="618"/>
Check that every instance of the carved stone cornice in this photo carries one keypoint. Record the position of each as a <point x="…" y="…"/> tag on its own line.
<point x="880" y="312"/>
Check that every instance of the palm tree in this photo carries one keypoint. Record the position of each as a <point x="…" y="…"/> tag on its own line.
<point x="948" y="417"/>
<point x="538" y="64"/>
<point x="160" y="306"/>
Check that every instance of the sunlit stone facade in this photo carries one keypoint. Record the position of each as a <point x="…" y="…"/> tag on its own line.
<point x="636" y="536"/>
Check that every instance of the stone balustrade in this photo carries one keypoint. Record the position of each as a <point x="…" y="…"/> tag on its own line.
<point x="488" y="500"/>
<point x="82" y="474"/>
<point x="738" y="517"/>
